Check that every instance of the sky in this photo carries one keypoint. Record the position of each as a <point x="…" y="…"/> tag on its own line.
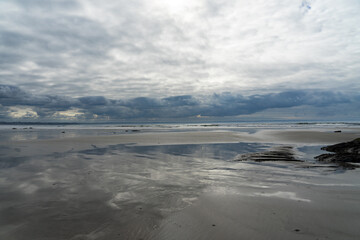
<point x="87" y="60"/>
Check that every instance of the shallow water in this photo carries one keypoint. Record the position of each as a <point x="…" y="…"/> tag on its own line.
<point x="109" y="190"/>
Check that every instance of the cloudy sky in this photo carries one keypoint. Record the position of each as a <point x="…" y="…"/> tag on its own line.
<point x="156" y="59"/>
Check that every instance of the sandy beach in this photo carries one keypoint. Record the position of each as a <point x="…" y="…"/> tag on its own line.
<point x="177" y="185"/>
<point x="179" y="120"/>
<point x="296" y="137"/>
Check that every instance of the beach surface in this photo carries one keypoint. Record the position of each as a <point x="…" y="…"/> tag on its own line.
<point x="76" y="143"/>
<point x="176" y="185"/>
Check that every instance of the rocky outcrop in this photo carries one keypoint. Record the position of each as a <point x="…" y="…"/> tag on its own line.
<point x="282" y="153"/>
<point x="348" y="152"/>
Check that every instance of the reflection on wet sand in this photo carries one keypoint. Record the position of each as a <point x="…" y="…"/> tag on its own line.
<point x="104" y="192"/>
<point x="126" y="191"/>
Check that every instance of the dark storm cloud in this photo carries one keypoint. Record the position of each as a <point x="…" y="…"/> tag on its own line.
<point x="185" y="100"/>
<point x="216" y="105"/>
<point x="14" y="96"/>
<point x="94" y="101"/>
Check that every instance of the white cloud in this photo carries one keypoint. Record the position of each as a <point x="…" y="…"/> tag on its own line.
<point x="122" y="49"/>
<point x="22" y="112"/>
<point x="72" y="114"/>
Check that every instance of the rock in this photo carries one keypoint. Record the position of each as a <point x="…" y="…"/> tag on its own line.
<point x="282" y="153"/>
<point x="352" y="147"/>
<point x="337" y="131"/>
<point x="346" y="152"/>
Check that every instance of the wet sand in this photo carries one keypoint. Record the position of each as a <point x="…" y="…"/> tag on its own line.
<point x="303" y="208"/>
<point x="175" y="185"/>
<point x="302" y="137"/>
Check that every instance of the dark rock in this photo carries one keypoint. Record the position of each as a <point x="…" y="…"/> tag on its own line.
<point x="352" y="147"/>
<point x="337" y="131"/>
<point x="347" y="152"/>
<point x="283" y="153"/>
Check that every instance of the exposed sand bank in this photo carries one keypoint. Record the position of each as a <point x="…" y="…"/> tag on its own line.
<point x="304" y="137"/>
